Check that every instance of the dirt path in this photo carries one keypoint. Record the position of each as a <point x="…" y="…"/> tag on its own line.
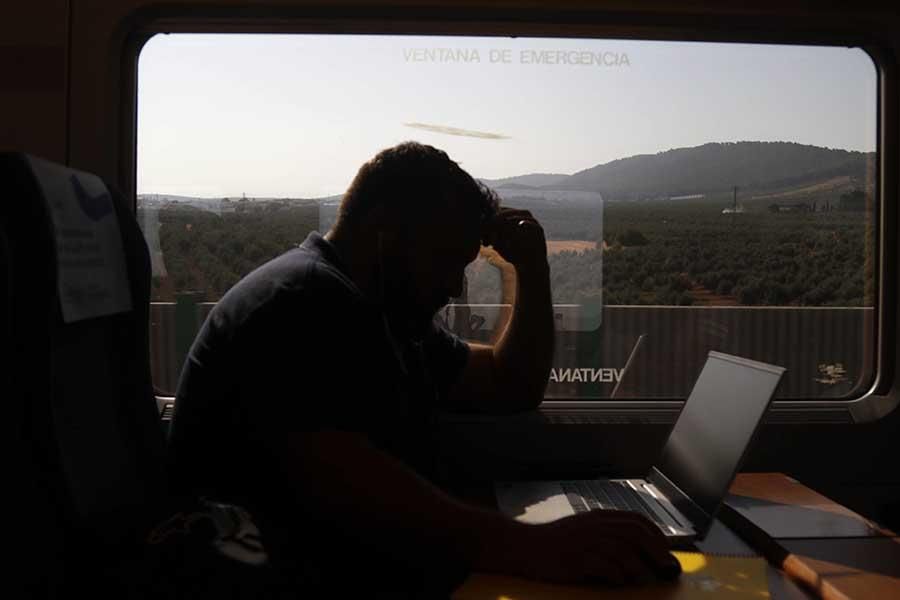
<point x="705" y="297"/>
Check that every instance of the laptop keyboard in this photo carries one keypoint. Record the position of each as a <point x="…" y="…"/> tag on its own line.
<point x="593" y="495"/>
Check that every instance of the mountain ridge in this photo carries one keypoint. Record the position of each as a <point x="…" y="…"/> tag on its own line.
<point x="714" y="168"/>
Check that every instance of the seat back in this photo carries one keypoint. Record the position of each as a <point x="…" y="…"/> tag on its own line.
<point x="76" y="307"/>
<point x="37" y="523"/>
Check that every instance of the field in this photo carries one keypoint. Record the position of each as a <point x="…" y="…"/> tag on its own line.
<point x="688" y="253"/>
<point x="676" y="253"/>
<point x="557" y="246"/>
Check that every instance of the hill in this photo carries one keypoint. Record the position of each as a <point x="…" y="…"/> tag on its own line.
<point x="764" y="172"/>
<point x="714" y="168"/>
<point x="531" y="180"/>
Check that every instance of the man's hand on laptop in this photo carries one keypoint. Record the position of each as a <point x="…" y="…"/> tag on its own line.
<point x="599" y="546"/>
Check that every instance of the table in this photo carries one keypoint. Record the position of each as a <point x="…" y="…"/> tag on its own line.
<point x="832" y="551"/>
<point x="815" y="548"/>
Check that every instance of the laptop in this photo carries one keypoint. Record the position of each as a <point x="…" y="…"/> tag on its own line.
<point x="686" y="486"/>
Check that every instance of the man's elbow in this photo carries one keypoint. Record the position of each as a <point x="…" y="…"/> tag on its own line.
<point x="513" y="390"/>
<point x="518" y="397"/>
<point x="535" y="398"/>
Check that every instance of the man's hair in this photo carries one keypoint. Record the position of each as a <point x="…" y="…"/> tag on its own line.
<point x="416" y="181"/>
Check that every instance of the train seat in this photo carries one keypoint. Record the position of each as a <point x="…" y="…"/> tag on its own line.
<point x="79" y="389"/>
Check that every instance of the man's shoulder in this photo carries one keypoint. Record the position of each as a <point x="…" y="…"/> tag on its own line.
<point x="302" y="270"/>
<point x="298" y="279"/>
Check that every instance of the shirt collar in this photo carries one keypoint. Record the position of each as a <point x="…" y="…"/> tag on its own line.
<point x="317" y="244"/>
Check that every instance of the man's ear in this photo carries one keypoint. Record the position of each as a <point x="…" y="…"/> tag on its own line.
<point x="377" y="217"/>
<point x="487" y="234"/>
<point x="386" y="237"/>
<point x="384" y="221"/>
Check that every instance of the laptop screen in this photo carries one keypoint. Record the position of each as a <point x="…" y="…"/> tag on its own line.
<point x="713" y="431"/>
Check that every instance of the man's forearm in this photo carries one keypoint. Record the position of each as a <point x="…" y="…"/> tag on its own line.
<point x="523" y="354"/>
<point x="344" y="480"/>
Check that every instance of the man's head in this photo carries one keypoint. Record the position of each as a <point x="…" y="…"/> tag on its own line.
<point x="425" y="217"/>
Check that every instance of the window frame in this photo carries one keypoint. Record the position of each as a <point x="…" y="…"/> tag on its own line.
<point x="879" y="400"/>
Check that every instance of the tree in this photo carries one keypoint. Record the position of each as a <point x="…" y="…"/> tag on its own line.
<point x="632" y="237"/>
<point x="853" y="201"/>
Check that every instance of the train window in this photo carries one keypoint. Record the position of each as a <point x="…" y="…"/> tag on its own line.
<point x="696" y="196"/>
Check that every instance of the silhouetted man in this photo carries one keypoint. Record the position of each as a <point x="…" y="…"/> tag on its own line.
<point x="309" y="394"/>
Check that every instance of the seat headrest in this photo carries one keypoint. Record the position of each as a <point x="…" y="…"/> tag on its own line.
<point x="92" y="277"/>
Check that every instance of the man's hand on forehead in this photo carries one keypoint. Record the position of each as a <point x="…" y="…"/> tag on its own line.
<point x="518" y="237"/>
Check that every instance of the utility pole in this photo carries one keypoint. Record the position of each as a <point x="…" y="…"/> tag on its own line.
<point x="733" y="204"/>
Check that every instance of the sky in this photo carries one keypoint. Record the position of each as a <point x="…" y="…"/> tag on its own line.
<point x="296" y="115"/>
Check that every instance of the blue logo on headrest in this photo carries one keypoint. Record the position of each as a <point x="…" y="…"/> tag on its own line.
<point x="95" y="207"/>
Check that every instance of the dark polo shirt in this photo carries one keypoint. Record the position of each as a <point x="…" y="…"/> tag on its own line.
<point x="294" y="346"/>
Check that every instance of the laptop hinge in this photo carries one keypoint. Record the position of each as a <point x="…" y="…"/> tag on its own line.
<point x="699" y="518"/>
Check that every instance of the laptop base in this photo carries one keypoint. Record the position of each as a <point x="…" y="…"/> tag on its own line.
<point x="546" y="501"/>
